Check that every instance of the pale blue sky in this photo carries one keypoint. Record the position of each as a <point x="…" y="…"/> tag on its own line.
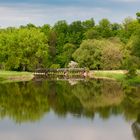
<point x="39" y="12"/>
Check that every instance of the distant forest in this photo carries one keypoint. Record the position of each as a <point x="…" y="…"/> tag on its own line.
<point x="102" y="46"/>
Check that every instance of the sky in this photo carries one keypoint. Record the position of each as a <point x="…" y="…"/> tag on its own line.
<point x="39" y="12"/>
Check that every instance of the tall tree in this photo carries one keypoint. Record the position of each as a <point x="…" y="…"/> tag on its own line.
<point x="88" y="55"/>
<point x="105" y="28"/>
<point x="112" y="54"/>
<point x="88" y="24"/>
<point x="138" y="16"/>
<point x="75" y="33"/>
<point x="24" y="49"/>
<point x="52" y="40"/>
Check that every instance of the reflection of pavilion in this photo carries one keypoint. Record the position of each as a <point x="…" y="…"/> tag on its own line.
<point x="71" y="79"/>
<point x="136" y="130"/>
<point x="73" y="82"/>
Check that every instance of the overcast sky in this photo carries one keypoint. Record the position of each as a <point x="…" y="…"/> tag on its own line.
<point x="39" y="12"/>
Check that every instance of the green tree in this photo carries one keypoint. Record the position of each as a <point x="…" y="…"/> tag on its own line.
<point x="116" y="29"/>
<point x="105" y="28"/>
<point x="134" y="54"/>
<point x="46" y="29"/>
<point x="129" y="27"/>
<point x="24" y="49"/>
<point x="112" y="55"/>
<point x="92" y="34"/>
<point x="66" y="56"/>
<point x="61" y="30"/>
<point x="138" y="16"/>
<point x="75" y="33"/>
<point x="88" y="24"/>
<point x="89" y="54"/>
<point x="52" y="41"/>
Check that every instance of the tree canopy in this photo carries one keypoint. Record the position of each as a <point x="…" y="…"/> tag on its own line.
<point x="104" y="45"/>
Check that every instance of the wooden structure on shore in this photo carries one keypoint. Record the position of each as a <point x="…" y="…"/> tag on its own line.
<point x="62" y="72"/>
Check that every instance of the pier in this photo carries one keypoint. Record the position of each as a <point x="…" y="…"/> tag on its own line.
<point x="61" y="72"/>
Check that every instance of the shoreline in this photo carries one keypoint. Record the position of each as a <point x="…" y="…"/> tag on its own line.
<point x="14" y="76"/>
<point x="117" y="75"/>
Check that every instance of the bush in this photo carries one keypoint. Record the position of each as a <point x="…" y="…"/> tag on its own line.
<point x="55" y="66"/>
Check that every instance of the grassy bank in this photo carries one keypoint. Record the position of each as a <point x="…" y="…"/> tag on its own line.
<point x="13" y="76"/>
<point x="114" y="75"/>
<point x="118" y="75"/>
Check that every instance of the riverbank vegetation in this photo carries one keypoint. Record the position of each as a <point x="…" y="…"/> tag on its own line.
<point x="102" y="46"/>
<point x="113" y="75"/>
<point x="119" y="75"/>
<point x="13" y="76"/>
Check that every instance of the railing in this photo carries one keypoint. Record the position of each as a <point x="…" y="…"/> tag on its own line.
<point x="60" y="71"/>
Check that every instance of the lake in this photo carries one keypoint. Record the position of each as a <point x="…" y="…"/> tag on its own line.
<point x="69" y="110"/>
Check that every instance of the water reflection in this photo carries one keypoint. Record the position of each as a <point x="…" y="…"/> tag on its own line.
<point x="136" y="128"/>
<point x="23" y="101"/>
<point x="29" y="101"/>
<point x="82" y="100"/>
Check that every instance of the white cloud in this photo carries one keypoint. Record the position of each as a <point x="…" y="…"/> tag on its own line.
<point x="40" y="14"/>
<point x="21" y="14"/>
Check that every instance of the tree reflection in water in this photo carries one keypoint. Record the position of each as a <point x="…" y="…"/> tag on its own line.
<point x="23" y="101"/>
<point x="30" y="101"/>
<point x="136" y="130"/>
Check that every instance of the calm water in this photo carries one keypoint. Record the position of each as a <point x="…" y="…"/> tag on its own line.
<point x="69" y="110"/>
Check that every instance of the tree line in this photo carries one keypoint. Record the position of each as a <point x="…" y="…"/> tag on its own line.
<point x="104" y="46"/>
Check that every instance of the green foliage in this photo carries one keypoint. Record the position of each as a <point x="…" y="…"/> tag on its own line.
<point x="88" y="24"/>
<point x="132" y="65"/>
<point x="23" y="49"/>
<point x="46" y="29"/>
<point x="55" y="66"/>
<point x="66" y="55"/>
<point x="15" y="76"/>
<point x="92" y="34"/>
<point x="119" y="76"/>
<point x="116" y="29"/>
<point x="129" y="27"/>
<point x="134" y="57"/>
<point x="138" y="16"/>
<point x="112" y="55"/>
<point x="61" y="30"/>
<point x="105" y="28"/>
<point x="97" y="54"/>
<point x="75" y="32"/>
<point x="104" y="45"/>
<point x="88" y="55"/>
<point x="52" y="40"/>
<point x="135" y="43"/>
